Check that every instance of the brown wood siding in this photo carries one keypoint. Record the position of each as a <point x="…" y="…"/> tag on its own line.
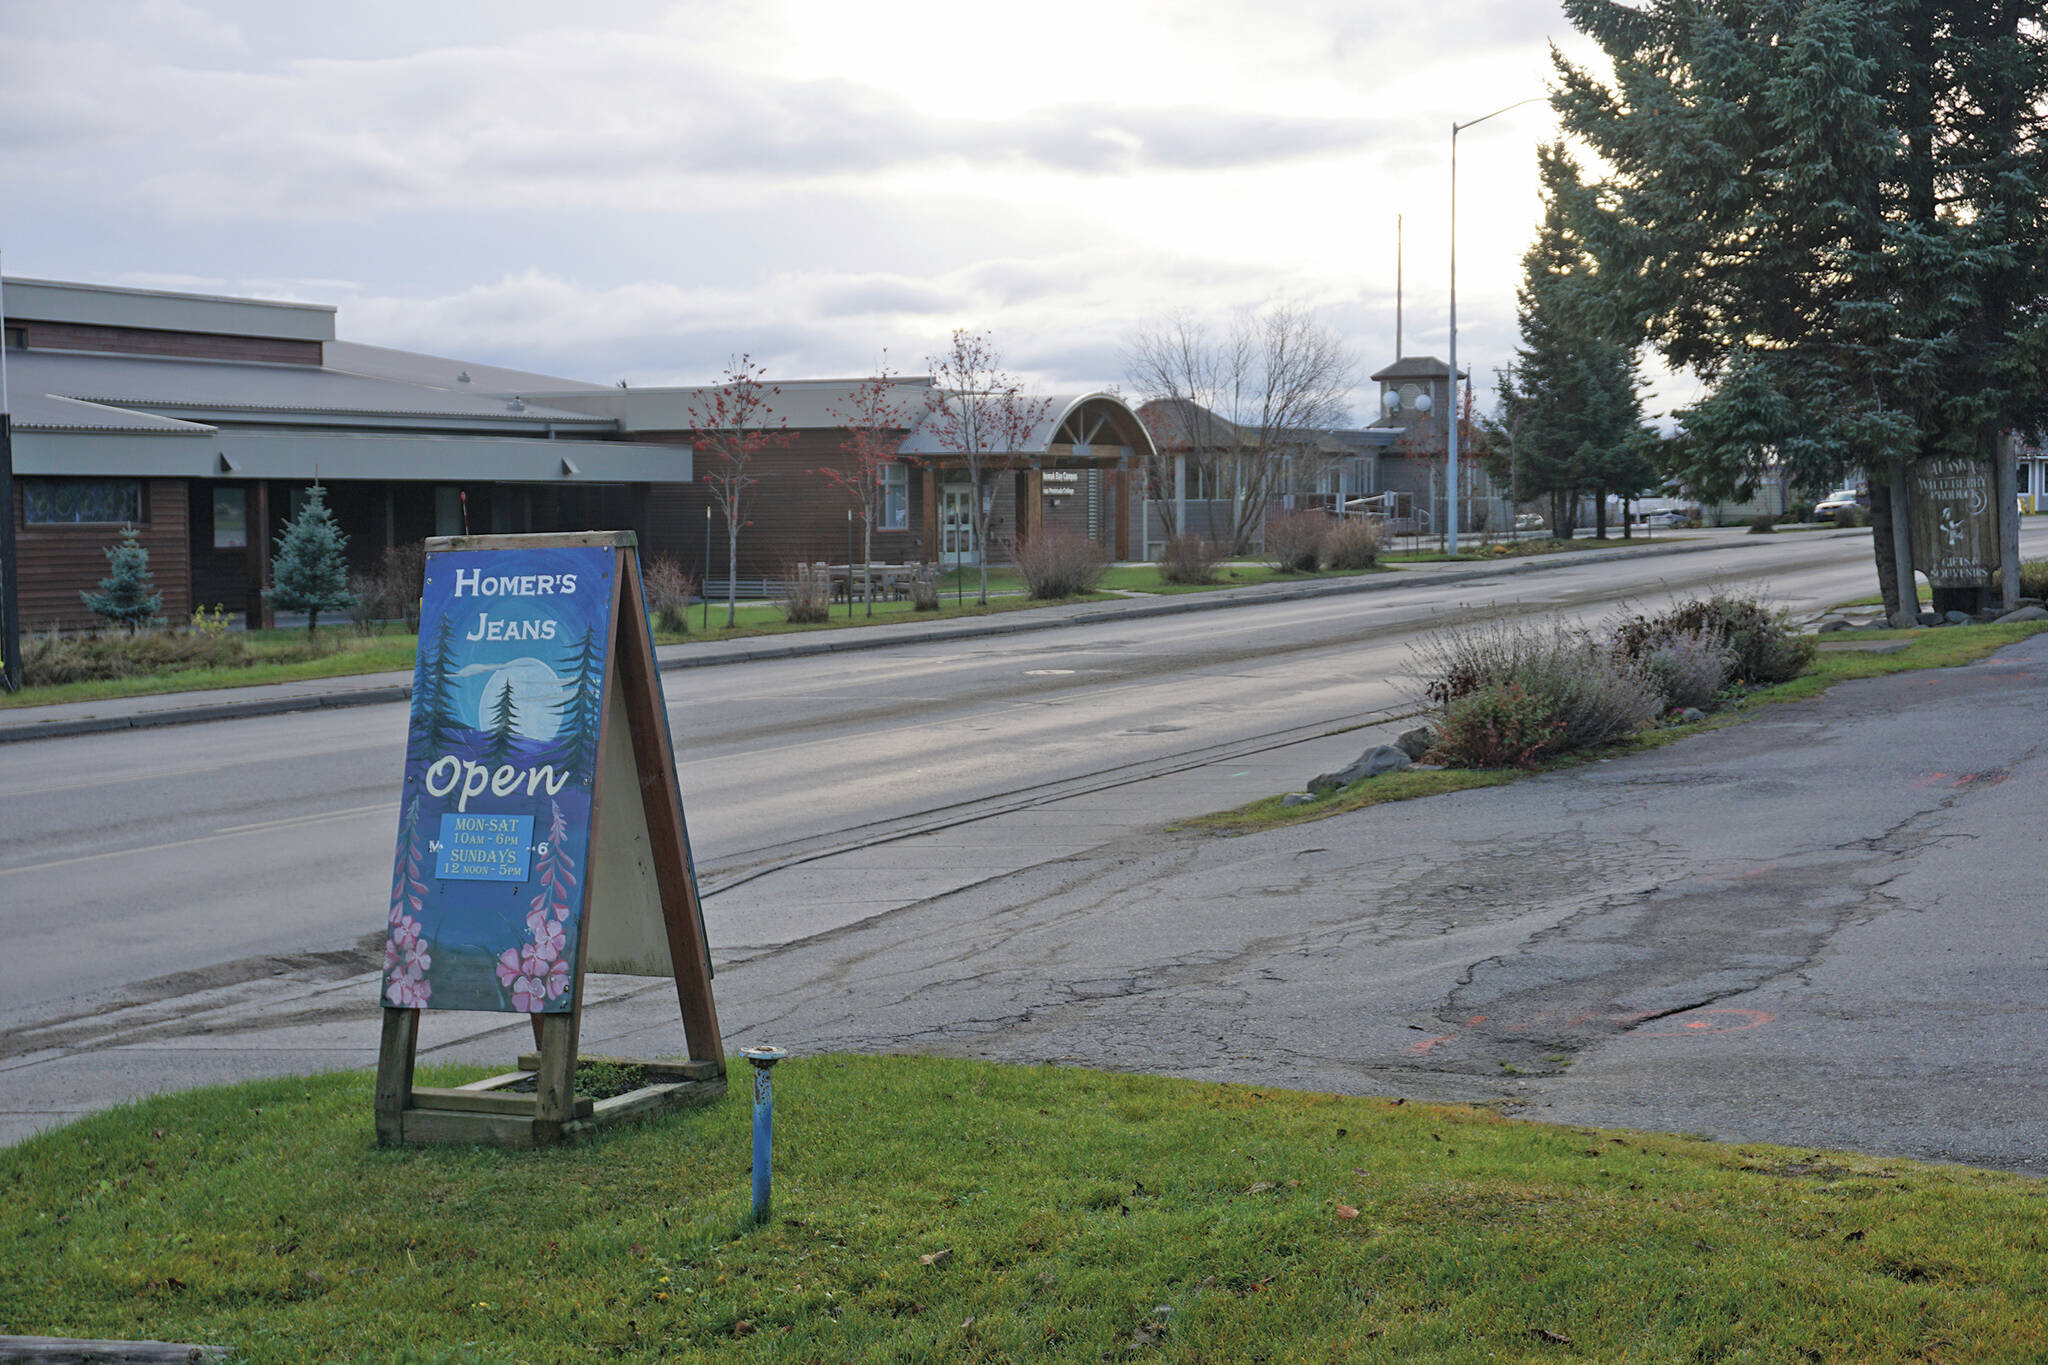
<point x="793" y="514"/>
<point x="74" y="336"/>
<point x="59" y="562"/>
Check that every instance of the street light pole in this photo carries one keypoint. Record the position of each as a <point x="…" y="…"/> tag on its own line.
<point x="10" y="552"/>
<point x="1451" y="416"/>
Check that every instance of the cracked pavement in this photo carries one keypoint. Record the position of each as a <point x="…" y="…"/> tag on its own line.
<point x="1818" y="927"/>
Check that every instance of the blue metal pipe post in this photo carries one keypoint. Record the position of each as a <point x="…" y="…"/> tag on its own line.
<point x="764" y="1060"/>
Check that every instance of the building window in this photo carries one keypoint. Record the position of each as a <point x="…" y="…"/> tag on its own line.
<point x="894" y="511"/>
<point x="78" y="502"/>
<point x="230" y="518"/>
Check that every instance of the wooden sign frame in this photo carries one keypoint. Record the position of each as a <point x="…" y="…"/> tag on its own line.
<point x="639" y="863"/>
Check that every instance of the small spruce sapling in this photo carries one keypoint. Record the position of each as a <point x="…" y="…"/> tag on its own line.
<point x="127" y="594"/>
<point x="312" y="563"/>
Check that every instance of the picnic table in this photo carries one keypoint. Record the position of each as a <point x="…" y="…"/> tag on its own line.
<point x="890" y="580"/>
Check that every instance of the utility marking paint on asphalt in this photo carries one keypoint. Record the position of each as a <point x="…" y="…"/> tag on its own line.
<point x="1694" y="1024"/>
<point x="233" y="832"/>
<point x="1416" y="1049"/>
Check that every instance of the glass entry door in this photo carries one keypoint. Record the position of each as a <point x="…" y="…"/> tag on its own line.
<point x="956" y="526"/>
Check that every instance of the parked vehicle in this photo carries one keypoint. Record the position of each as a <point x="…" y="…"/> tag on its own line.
<point x="1825" y="509"/>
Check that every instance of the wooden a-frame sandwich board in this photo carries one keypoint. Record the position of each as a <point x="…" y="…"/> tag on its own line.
<point x="546" y="793"/>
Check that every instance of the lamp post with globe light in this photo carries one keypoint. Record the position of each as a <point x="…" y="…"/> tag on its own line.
<point x="1451" y="417"/>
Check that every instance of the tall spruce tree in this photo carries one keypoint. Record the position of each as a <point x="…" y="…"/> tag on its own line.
<point x="1571" y="404"/>
<point x="312" y="562"/>
<point x="1833" y="212"/>
<point x="127" y="594"/>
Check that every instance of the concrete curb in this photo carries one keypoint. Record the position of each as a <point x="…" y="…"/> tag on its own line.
<point x="870" y="638"/>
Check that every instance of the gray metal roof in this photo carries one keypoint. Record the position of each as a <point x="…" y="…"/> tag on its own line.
<point x="108" y="305"/>
<point x="1058" y="407"/>
<point x="798" y="404"/>
<point x="441" y="372"/>
<point x="246" y="453"/>
<point x="34" y="411"/>
<point x="276" y="392"/>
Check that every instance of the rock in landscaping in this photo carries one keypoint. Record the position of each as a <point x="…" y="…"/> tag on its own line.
<point x="1417" y="742"/>
<point x="1691" y="714"/>
<point x="2025" y="614"/>
<point x="1381" y="758"/>
<point x="1956" y="618"/>
<point x="1832" y="623"/>
<point x="1928" y="618"/>
<point x="1296" y="799"/>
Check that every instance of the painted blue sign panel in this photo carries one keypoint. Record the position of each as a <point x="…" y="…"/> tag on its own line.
<point x="488" y="848"/>
<point x="494" y="820"/>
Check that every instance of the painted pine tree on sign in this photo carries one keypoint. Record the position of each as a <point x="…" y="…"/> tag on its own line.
<point x="439" y="714"/>
<point x="582" y="709"/>
<point x="504" y="720"/>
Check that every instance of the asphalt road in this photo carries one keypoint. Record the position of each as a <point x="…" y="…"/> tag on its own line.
<point x="131" y="855"/>
<point x="219" y="879"/>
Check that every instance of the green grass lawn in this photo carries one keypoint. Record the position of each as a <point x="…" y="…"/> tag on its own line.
<point x="1945" y="647"/>
<point x="936" y="1210"/>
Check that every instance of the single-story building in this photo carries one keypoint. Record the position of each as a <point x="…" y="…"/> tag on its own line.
<point x="202" y="420"/>
<point x="1073" y="473"/>
<point x="1215" y="478"/>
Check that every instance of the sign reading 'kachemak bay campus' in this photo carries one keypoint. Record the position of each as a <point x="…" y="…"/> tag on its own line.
<point x="500" y="768"/>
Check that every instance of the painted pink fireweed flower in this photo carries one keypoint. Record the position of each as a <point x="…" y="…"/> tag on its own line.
<point x="408" y="992"/>
<point x="556" y="871"/>
<point x="536" y="972"/>
<point x="529" y="994"/>
<point x="548" y="934"/>
<point x="417" y="959"/>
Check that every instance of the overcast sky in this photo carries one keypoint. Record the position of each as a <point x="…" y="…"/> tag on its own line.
<point x="637" y="191"/>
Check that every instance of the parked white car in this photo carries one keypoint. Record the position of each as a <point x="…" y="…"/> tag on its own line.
<point x="1825" y="509"/>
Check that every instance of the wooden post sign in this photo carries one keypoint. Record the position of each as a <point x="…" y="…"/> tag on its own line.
<point x="1955" y="522"/>
<point x="540" y="836"/>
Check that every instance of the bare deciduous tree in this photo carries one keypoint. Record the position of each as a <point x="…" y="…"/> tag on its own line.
<point x="874" y="432"/>
<point x="978" y="412"/>
<point x="1247" y="403"/>
<point x="728" y="428"/>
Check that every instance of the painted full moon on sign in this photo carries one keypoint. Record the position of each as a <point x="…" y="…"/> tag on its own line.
<point x="537" y="693"/>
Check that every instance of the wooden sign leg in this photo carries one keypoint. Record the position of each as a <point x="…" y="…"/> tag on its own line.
<point x="662" y="798"/>
<point x="555" y="1082"/>
<point x="395" y="1053"/>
